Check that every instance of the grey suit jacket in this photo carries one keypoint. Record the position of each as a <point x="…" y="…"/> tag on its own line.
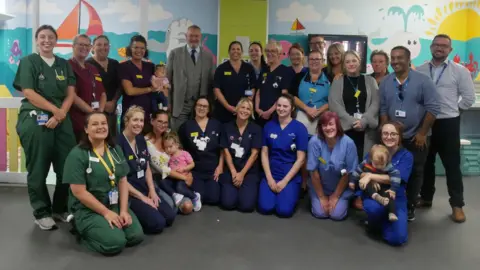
<point x="177" y="75"/>
<point x="372" y="107"/>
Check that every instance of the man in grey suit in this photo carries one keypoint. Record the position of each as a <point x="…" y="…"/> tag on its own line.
<point x="190" y="70"/>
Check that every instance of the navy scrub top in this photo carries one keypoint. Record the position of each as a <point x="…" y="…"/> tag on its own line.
<point x="271" y="84"/>
<point x="233" y="86"/>
<point x="137" y="161"/>
<point x="190" y="133"/>
<point x="283" y="145"/>
<point x="250" y="139"/>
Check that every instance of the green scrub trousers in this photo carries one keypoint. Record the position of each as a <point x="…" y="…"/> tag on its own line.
<point x="43" y="146"/>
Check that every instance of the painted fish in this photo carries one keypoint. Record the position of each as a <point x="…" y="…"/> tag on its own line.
<point x="122" y="52"/>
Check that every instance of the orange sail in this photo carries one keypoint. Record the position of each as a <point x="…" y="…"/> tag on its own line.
<point x="297" y="25"/>
<point x="69" y="28"/>
<point x="95" y="26"/>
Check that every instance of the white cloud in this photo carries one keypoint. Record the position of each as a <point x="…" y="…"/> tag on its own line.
<point x="128" y="12"/>
<point x="46" y="7"/>
<point x="338" y="17"/>
<point x="305" y="13"/>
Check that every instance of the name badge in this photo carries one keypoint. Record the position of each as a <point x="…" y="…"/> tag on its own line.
<point x="42" y="119"/>
<point x="322" y="160"/>
<point x="357" y="116"/>
<point x="113" y="196"/>
<point x="130" y="157"/>
<point x="273" y="136"/>
<point x="95" y="105"/>
<point x="98" y="79"/>
<point x="239" y="152"/>
<point x="194" y="134"/>
<point x="94" y="159"/>
<point x="139" y="77"/>
<point x="61" y="78"/>
<point x="140" y="174"/>
<point x="227" y="73"/>
<point x="357" y="93"/>
<point x="401" y="114"/>
<point x="313" y="90"/>
<point x="249" y="93"/>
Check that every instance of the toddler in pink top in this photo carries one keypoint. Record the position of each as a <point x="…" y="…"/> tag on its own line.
<point x="181" y="164"/>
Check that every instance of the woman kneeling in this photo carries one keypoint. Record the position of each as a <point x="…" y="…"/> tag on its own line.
<point x="97" y="171"/>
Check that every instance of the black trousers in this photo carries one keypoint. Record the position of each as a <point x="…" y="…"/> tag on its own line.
<point x="416" y="177"/>
<point x="445" y="141"/>
<point x="370" y="190"/>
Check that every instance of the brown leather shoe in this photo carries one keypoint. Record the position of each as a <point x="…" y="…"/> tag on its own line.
<point x="421" y="203"/>
<point x="458" y="215"/>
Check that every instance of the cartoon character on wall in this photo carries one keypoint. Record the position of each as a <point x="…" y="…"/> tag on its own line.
<point x="15" y="53"/>
<point x="175" y="37"/>
<point x="471" y="65"/>
<point x="285" y="48"/>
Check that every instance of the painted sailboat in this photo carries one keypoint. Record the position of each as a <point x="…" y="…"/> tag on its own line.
<point x="297" y="26"/>
<point x="70" y="27"/>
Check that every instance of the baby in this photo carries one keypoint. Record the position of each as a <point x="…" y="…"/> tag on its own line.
<point x="159" y="99"/>
<point x="378" y="162"/>
<point x="180" y="162"/>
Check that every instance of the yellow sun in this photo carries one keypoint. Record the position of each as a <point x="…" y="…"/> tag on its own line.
<point x="458" y="20"/>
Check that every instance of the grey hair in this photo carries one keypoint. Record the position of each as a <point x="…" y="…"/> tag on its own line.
<point x="75" y="39"/>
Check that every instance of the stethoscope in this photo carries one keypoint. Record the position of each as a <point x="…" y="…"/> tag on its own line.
<point x="89" y="169"/>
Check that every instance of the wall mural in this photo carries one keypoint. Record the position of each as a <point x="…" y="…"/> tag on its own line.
<point x="166" y="25"/>
<point x="386" y="25"/>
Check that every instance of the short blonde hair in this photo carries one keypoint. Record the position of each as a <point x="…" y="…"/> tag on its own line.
<point x="245" y="100"/>
<point x="356" y="55"/>
<point x="379" y="153"/>
<point x="172" y="136"/>
<point x="131" y="111"/>
<point x="277" y="45"/>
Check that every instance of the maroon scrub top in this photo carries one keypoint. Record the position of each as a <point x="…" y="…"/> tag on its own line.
<point x="88" y="83"/>
<point x="139" y="79"/>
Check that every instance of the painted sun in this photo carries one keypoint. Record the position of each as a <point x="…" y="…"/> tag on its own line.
<point x="459" y="20"/>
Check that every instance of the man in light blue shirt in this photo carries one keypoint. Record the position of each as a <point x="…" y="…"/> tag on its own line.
<point x="456" y="93"/>
<point x="409" y="97"/>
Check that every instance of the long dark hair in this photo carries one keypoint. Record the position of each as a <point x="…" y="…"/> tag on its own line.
<point x="85" y="142"/>
<point x="263" y="63"/>
<point x="291" y="100"/>
<point x="137" y="38"/>
<point x="46" y="27"/>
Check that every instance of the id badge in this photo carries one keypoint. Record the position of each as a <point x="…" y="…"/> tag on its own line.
<point x="201" y="145"/>
<point x="95" y="105"/>
<point x="140" y="174"/>
<point x="401" y="114"/>
<point x="357" y="116"/>
<point x="113" y="196"/>
<point x="293" y="147"/>
<point x="42" y="119"/>
<point x="249" y="93"/>
<point x="239" y="152"/>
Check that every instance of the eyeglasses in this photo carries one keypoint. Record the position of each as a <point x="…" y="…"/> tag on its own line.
<point x="316" y="59"/>
<point x="442" y="46"/>
<point x="391" y="134"/>
<point x="83" y="45"/>
<point x="163" y="123"/>
<point x="400" y="92"/>
<point x="202" y="106"/>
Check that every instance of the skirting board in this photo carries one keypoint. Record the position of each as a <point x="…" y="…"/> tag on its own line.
<point x="21" y="178"/>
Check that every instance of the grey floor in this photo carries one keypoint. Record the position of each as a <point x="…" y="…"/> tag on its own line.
<point x="215" y="239"/>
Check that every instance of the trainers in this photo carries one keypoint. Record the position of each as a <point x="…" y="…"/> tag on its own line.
<point x="63" y="217"/>
<point x="197" y="202"/>
<point x="411" y="214"/>
<point x="177" y="198"/>
<point x="46" y="223"/>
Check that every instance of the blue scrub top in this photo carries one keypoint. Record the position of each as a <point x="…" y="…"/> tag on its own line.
<point x="314" y="94"/>
<point x="137" y="161"/>
<point x="271" y="84"/>
<point x="330" y="163"/>
<point x="233" y="86"/>
<point x="206" y="161"/>
<point x="283" y="145"/>
<point x="250" y="139"/>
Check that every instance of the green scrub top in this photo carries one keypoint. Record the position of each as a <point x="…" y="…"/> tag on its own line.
<point x="49" y="82"/>
<point x="97" y="182"/>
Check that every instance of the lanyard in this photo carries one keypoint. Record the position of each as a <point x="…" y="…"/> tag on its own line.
<point x="404" y="85"/>
<point x="440" y="75"/>
<point x="135" y="151"/>
<point x="94" y="84"/>
<point x="111" y="174"/>
<point x="356" y="93"/>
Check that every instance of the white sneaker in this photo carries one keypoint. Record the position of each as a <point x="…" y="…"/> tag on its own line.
<point x="197" y="202"/>
<point x="64" y="217"/>
<point x="177" y="198"/>
<point x="46" y="223"/>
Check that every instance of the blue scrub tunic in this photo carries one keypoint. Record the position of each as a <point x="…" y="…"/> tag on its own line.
<point x="314" y="94"/>
<point x="271" y="83"/>
<point x="283" y="146"/>
<point x="250" y="139"/>
<point x="394" y="233"/>
<point x="137" y="161"/>
<point x="233" y="86"/>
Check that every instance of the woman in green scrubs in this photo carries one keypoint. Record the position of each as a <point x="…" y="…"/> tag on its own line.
<point x="44" y="126"/>
<point x="97" y="171"/>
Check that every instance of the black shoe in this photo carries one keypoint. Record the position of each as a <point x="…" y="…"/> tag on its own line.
<point x="411" y="214"/>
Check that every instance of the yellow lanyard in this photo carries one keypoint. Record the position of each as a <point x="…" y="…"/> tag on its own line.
<point x="111" y="174"/>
